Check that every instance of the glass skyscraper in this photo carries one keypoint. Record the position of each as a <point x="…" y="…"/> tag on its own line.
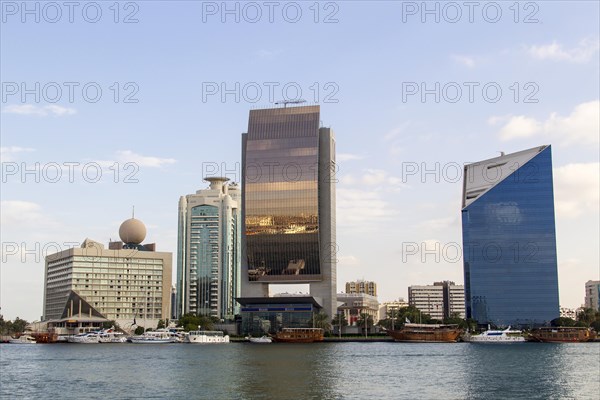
<point x="509" y="240"/>
<point x="208" y="251"/>
<point x="288" y="164"/>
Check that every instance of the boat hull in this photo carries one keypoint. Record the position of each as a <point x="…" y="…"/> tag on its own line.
<point x="151" y="341"/>
<point x="563" y="335"/>
<point x="426" y="336"/>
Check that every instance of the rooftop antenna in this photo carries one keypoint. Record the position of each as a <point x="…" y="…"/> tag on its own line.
<point x="132" y="212"/>
<point x="286" y="102"/>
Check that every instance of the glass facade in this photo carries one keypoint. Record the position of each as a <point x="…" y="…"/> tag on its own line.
<point x="258" y="319"/>
<point x="509" y="249"/>
<point x="281" y="202"/>
<point x="204" y="260"/>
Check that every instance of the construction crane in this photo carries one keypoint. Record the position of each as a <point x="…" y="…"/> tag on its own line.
<point x="286" y="102"/>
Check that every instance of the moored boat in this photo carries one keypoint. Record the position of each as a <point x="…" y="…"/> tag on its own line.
<point x="262" y="339"/>
<point x="206" y="337"/>
<point x="23" y="339"/>
<point x="498" y="336"/>
<point x="154" y="337"/>
<point x="111" y="336"/>
<point x="563" y="334"/>
<point x="434" y="333"/>
<point x="299" y="335"/>
<point x="84" y="338"/>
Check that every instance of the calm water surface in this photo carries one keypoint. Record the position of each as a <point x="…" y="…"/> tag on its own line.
<point x="301" y="371"/>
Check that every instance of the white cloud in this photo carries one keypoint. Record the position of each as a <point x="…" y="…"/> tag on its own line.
<point x="577" y="188"/>
<point x="518" y="127"/>
<point x="361" y="208"/>
<point x="18" y="213"/>
<point x="29" y="109"/>
<point x="582" y="126"/>
<point x="348" y="261"/>
<point x="466" y="61"/>
<point x="373" y="178"/>
<point x="143" y="161"/>
<point x="583" y="52"/>
<point x="9" y="153"/>
<point x="348" y="157"/>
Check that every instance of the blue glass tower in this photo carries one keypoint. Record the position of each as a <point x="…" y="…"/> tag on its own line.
<point x="509" y="240"/>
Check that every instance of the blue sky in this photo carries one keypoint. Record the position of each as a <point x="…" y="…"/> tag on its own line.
<point x="366" y="62"/>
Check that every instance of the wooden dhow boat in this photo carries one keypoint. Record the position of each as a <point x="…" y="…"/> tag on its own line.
<point x="429" y="333"/>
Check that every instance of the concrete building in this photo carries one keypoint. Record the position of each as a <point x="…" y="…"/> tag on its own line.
<point x="361" y="286"/>
<point x="440" y="300"/>
<point x="127" y="282"/>
<point x="592" y="295"/>
<point x="509" y="240"/>
<point x="354" y="304"/>
<point x="288" y="200"/>
<point x="208" y="251"/>
<point x="391" y="307"/>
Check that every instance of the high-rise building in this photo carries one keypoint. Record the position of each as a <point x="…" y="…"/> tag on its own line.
<point x="592" y="295"/>
<point x="509" y="239"/>
<point x="208" y="250"/>
<point x="127" y="282"/>
<point x="361" y="286"/>
<point x="390" y="309"/>
<point x="288" y="165"/>
<point x="440" y="300"/>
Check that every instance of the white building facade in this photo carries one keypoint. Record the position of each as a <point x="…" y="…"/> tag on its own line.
<point x="592" y="295"/>
<point x="208" y="251"/>
<point x="440" y="300"/>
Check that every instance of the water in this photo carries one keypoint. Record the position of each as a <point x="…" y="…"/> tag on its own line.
<point x="301" y="371"/>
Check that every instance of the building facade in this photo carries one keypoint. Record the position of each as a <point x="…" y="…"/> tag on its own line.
<point x="288" y="198"/>
<point x="440" y="300"/>
<point x="208" y="251"/>
<point x="592" y="295"/>
<point x="509" y="239"/>
<point x="361" y="286"/>
<point x="353" y="305"/>
<point x="127" y="283"/>
<point x="390" y="309"/>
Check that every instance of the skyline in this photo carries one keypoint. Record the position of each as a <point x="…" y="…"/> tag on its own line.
<point x="387" y="136"/>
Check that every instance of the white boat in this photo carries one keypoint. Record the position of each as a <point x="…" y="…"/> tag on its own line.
<point x="86" y="338"/>
<point x="262" y="339"/>
<point x="205" y="337"/>
<point x="111" y="336"/>
<point x="505" y="336"/>
<point x="155" y="337"/>
<point x="23" y="339"/>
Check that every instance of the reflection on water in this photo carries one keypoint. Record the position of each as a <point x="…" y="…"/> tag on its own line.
<point x="302" y="371"/>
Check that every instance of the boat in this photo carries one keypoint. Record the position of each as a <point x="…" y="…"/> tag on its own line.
<point x="563" y="334"/>
<point x="206" y="337"/>
<point x="111" y="336"/>
<point x="434" y="333"/>
<point x="497" y="336"/>
<point x="85" y="338"/>
<point x="23" y="339"/>
<point x="299" y="335"/>
<point x="160" y="336"/>
<point x="262" y="339"/>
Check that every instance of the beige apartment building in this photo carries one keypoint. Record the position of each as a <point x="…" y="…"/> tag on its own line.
<point x="128" y="282"/>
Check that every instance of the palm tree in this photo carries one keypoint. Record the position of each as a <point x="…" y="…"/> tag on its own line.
<point x="321" y="320"/>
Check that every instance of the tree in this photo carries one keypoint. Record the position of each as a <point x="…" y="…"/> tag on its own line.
<point x="190" y="322"/>
<point x="321" y="320"/>
<point x="340" y="319"/>
<point x="18" y="325"/>
<point x="161" y="324"/>
<point x="588" y="315"/>
<point x="139" y="330"/>
<point x="562" y="321"/>
<point x="365" y="321"/>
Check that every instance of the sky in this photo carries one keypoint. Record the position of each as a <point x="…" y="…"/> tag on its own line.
<point x="106" y="105"/>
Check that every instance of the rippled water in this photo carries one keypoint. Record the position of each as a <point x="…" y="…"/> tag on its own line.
<point x="301" y="371"/>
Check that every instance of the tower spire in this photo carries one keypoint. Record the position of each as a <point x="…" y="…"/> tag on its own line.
<point x="132" y="211"/>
